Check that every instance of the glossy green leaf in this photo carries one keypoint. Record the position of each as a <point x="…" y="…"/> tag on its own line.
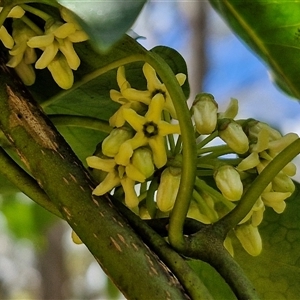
<point x="105" y="21"/>
<point x="276" y="271"/>
<point x="272" y="30"/>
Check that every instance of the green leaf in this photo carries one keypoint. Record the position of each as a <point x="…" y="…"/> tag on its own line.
<point x="216" y="285"/>
<point x="272" y="30"/>
<point x="106" y="22"/>
<point x="276" y="271"/>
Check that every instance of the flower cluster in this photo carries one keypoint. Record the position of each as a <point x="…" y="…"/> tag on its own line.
<point x="55" y="41"/>
<point x="136" y="147"/>
<point x="140" y="160"/>
<point x="254" y="145"/>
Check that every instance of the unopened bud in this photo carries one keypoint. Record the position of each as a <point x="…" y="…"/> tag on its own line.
<point x="75" y="238"/>
<point x="250" y="238"/>
<point x="61" y="72"/>
<point x="232" y="133"/>
<point x="111" y="144"/>
<point x="229" y="182"/>
<point x="168" y="188"/>
<point x="204" y="111"/>
<point x="142" y="160"/>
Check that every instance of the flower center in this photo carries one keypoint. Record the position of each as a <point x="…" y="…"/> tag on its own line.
<point x="150" y="129"/>
<point x="158" y="91"/>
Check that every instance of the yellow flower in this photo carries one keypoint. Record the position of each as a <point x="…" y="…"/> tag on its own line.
<point x="250" y="238"/>
<point x="116" y="175"/>
<point x="154" y="86"/>
<point x="150" y="130"/>
<point x="58" y="36"/>
<point x="5" y="37"/>
<point x="21" y="56"/>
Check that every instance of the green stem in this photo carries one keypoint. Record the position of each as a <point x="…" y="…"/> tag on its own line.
<point x="26" y="184"/>
<point x="4" y="13"/>
<point x="80" y="121"/>
<point x="39" y="13"/>
<point x="95" y="74"/>
<point x="215" y="150"/>
<point x="207" y="140"/>
<point x="258" y="186"/>
<point x="188" y="174"/>
<point x="32" y="25"/>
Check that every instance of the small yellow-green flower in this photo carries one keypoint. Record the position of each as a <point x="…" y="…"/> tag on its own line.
<point x="21" y="56"/>
<point x="204" y="111"/>
<point x="7" y="40"/>
<point x="168" y="188"/>
<point x="150" y="130"/>
<point x="250" y="238"/>
<point x="116" y="175"/>
<point x="154" y="86"/>
<point x="229" y="182"/>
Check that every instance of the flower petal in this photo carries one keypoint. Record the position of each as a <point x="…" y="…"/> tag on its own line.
<point x="131" y="198"/>
<point x="155" y="108"/>
<point x="159" y="151"/>
<point x="111" y="180"/>
<point x="136" y="121"/>
<point x="153" y="83"/>
<point x="96" y="162"/>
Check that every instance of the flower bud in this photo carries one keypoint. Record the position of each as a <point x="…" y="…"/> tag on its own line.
<point x="232" y="133"/>
<point x="61" y="72"/>
<point x="142" y="160"/>
<point x="168" y="188"/>
<point x="204" y="111"/>
<point x="228" y="181"/>
<point x="111" y="144"/>
<point x="250" y="238"/>
<point x="75" y="238"/>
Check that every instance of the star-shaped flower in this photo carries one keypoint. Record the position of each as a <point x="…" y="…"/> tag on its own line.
<point x="116" y="175"/>
<point x="5" y="37"/>
<point x="58" y="36"/>
<point x="150" y="130"/>
<point x="154" y="86"/>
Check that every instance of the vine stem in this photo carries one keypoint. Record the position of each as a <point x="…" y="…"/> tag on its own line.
<point x="4" y="13"/>
<point x="188" y="172"/>
<point x="230" y="220"/>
